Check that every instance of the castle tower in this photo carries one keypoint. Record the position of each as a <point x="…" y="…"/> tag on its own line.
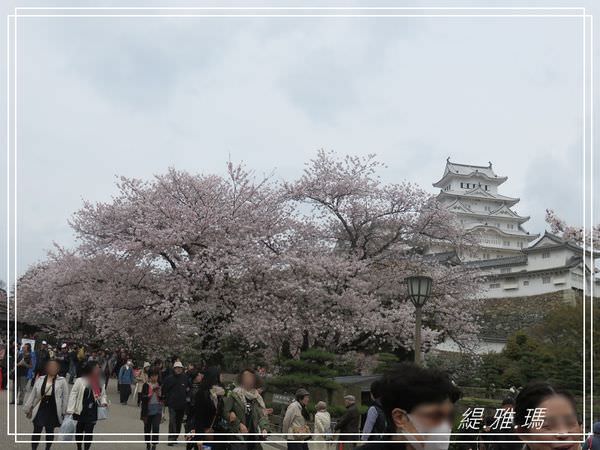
<point x="471" y="192"/>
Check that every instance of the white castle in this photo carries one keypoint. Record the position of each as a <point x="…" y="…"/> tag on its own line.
<point x="517" y="263"/>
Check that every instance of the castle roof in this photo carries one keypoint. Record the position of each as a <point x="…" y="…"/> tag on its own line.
<point x="456" y="170"/>
<point x="501" y="212"/>
<point x="552" y="241"/>
<point x="480" y="193"/>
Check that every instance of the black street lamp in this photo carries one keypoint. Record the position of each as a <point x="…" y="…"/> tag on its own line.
<point x="419" y="290"/>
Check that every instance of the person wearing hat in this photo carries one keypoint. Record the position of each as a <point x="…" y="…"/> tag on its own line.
<point x="126" y="379"/>
<point x="140" y="378"/>
<point x="175" y="391"/>
<point x="295" y="422"/>
<point x="349" y="423"/>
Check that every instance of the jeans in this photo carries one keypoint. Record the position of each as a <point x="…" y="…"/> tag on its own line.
<point x="152" y="428"/>
<point x="22" y="388"/>
<point x="35" y="438"/>
<point x="85" y="432"/>
<point x="175" y="421"/>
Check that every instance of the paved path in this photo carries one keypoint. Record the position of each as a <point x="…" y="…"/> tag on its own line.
<point x="122" y="419"/>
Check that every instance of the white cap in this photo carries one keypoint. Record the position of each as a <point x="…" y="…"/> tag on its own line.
<point x="177" y="364"/>
<point x="146" y="364"/>
<point x="63" y="346"/>
<point x="44" y="342"/>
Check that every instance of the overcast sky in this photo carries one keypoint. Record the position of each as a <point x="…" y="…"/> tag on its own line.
<point x="102" y="97"/>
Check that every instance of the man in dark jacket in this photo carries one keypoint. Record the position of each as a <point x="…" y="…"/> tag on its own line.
<point x="349" y="423"/>
<point x="175" y="391"/>
<point x="375" y="424"/>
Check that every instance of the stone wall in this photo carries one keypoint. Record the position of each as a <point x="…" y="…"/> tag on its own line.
<point x="504" y="316"/>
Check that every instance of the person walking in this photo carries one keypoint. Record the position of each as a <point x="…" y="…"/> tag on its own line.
<point x="140" y="379"/>
<point x="244" y="411"/>
<point x="349" y="423"/>
<point x="295" y="422"/>
<point x="175" y="390"/>
<point x="86" y="396"/>
<point x="195" y="379"/>
<point x="25" y="364"/>
<point x="375" y="423"/>
<point x="206" y="411"/>
<point x="43" y="355"/>
<point x="47" y="403"/>
<point x="73" y="362"/>
<point x="322" y="427"/>
<point x="151" y="409"/>
<point x="125" y="379"/>
<point x="63" y="361"/>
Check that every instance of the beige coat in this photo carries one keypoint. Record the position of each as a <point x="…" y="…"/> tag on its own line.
<point x="293" y="422"/>
<point x="322" y="431"/>
<point x="76" y="397"/>
<point x="61" y="393"/>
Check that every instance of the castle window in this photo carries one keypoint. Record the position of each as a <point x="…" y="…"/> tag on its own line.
<point x="521" y="244"/>
<point x="506" y="243"/>
<point x="545" y="255"/>
<point x="486" y="187"/>
<point x="546" y="280"/>
<point x="525" y="282"/>
<point x="494" y="285"/>
<point x="505" y="270"/>
<point x="461" y="185"/>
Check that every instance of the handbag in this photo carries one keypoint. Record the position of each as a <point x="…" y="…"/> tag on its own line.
<point x="102" y="412"/>
<point x="67" y="429"/>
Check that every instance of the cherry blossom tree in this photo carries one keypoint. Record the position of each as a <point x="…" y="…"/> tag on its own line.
<point x="385" y="231"/>
<point x="572" y="233"/>
<point x="281" y="266"/>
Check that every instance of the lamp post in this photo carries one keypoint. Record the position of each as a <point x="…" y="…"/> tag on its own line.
<point x="419" y="290"/>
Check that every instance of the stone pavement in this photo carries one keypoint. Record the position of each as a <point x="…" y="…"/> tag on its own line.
<point x="122" y="419"/>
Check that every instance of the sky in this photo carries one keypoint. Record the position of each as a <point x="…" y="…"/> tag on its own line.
<point x="102" y="97"/>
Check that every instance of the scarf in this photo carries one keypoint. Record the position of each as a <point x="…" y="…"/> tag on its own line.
<point x="95" y="386"/>
<point x="152" y="388"/>
<point x="47" y="390"/>
<point x="244" y="395"/>
<point x="215" y="392"/>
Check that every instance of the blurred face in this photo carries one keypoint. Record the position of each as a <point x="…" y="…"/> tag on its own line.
<point x="154" y="378"/>
<point x="96" y="371"/>
<point x="198" y="378"/>
<point x="52" y="368"/>
<point x="559" y="418"/>
<point x="178" y="370"/>
<point x="305" y="400"/>
<point x="248" y="380"/>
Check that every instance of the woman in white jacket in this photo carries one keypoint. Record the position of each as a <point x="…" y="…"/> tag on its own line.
<point x="322" y="428"/>
<point x="46" y="404"/>
<point x="86" y="395"/>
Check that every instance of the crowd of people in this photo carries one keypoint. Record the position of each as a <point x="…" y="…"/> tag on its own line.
<point x="412" y="408"/>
